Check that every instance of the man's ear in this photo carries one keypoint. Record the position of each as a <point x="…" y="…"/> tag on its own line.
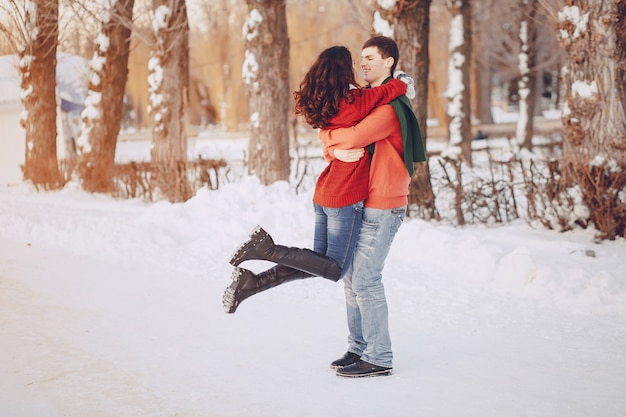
<point x="389" y="62"/>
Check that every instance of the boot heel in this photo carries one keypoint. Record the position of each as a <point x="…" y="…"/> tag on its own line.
<point x="257" y="235"/>
<point x="255" y="231"/>
<point x="234" y="276"/>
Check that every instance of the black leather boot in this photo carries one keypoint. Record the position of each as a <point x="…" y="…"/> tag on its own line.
<point x="246" y="283"/>
<point x="261" y="246"/>
<point x="260" y="241"/>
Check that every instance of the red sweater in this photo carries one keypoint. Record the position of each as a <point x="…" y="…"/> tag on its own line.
<point x="344" y="183"/>
<point x="388" y="178"/>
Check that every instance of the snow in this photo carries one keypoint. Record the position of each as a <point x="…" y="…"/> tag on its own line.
<point x="523" y="90"/>
<point x="159" y="19"/>
<point x="255" y="120"/>
<point x="156" y="105"/>
<point x="584" y="89"/>
<point x="382" y="25"/>
<point x="387" y="4"/>
<point x="579" y="21"/>
<point x="250" y="28"/>
<point x="113" y="308"/>
<point x="32" y="30"/>
<point x="455" y="87"/>
<point x="103" y="42"/>
<point x="250" y="68"/>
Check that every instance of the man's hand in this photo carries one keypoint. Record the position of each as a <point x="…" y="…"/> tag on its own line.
<point x="349" y="155"/>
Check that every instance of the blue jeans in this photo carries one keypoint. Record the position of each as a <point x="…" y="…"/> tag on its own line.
<point x="366" y="304"/>
<point x="336" y="231"/>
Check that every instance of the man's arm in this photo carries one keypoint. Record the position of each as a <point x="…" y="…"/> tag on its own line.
<point x="370" y="98"/>
<point x="379" y="124"/>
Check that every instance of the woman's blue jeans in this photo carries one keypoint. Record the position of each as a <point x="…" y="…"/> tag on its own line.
<point x="336" y="231"/>
<point x="366" y="304"/>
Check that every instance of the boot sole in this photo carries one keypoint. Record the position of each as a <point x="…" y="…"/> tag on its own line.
<point x="228" y="299"/>
<point x="386" y="372"/>
<point x="237" y="257"/>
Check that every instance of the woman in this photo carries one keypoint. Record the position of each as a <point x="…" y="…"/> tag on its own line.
<point x="328" y="97"/>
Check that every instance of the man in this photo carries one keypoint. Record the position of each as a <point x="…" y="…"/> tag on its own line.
<point x="398" y="144"/>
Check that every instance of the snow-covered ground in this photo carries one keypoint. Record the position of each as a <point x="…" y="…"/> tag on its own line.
<point x="112" y="308"/>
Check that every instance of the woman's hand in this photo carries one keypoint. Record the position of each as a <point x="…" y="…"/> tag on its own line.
<point x="349" y="155"/>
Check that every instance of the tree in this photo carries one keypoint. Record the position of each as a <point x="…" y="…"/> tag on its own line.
<point x="410" y="22"/>
<point x="169" y="86"/>
<point x="482" y="28"/>
<point x="103" y="113"/>
<point x="594" y="142"/>
<point x="527" y="84"/>
<point x="266" y="75"/>
<point x="460" y="55"/>
<point x="34" y="29"/>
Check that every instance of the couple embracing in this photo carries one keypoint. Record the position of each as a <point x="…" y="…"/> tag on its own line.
<point x="371" y="139"/>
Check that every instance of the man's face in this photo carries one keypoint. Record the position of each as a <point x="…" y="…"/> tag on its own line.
<point x="375" y="67"/>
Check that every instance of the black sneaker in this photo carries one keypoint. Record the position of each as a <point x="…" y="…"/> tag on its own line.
<point x="348" y="358"/>
<point x="361" y="369"/>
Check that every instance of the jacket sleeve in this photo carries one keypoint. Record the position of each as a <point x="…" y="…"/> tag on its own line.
<point x="379" y="124"/>
<point x="370" y="98"/>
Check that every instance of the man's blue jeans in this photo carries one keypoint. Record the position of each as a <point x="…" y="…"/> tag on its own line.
<point x="366" y="304"/>
<point x="336" y="231"/>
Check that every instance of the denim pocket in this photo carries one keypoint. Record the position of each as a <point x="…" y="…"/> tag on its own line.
<point x="399" y="212"/>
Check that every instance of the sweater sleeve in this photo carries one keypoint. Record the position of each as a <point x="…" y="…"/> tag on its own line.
<point x="379" y="124"/>
<point x="365" y="101"/>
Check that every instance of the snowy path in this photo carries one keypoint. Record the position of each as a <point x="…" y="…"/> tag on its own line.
<point x="122" y="332"/>
<point x="81" y="340"/>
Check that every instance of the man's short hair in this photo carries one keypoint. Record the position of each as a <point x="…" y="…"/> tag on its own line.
<point x="387" y="47"/>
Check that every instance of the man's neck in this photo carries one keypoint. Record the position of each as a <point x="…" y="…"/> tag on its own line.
<point x="379" y="81"/>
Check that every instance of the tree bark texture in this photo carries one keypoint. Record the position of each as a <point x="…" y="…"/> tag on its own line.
<point x="594" y="143"/>
<point x="266" y="74"/>
<point x="460" y="61"/>
<point x="595" y="64"/>
<point x="411" y="25"/>
<point x="38" y="65"/>
<point x="97" y="164"/>
<point x="481" y="69"/>
<point x="169" y="100"/>
<point x="527" y="85"/>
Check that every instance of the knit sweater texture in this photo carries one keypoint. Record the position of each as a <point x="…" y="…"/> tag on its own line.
<point x="344" y="183"/>
<point x="388" y="177"/>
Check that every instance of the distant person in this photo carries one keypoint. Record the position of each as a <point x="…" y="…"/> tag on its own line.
<point x="328" y="97"/>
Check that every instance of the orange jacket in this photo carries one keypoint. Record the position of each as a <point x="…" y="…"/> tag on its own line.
<point x="388" y="177"/>
<point x="341" y="183"/>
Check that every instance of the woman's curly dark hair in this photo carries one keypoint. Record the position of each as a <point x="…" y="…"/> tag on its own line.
<point x="325" y="86"/>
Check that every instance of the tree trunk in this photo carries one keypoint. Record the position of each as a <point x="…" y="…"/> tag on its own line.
<point x="410" y="21"/>
<point x="103" y="114"/>
<point x="481" y="69"/>
<point x="460" y="55"/>
<point x="620" y="34"/>
<point x="594" y="143"/>
<point x="527" y="85"/>
<point x="37" y="68"/>
<point x="169" y="86"/>
<point x="594" y="113"/>
<point x="266" y="75"/>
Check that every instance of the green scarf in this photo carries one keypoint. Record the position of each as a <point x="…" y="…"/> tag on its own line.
<point x="412" y="141"/>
